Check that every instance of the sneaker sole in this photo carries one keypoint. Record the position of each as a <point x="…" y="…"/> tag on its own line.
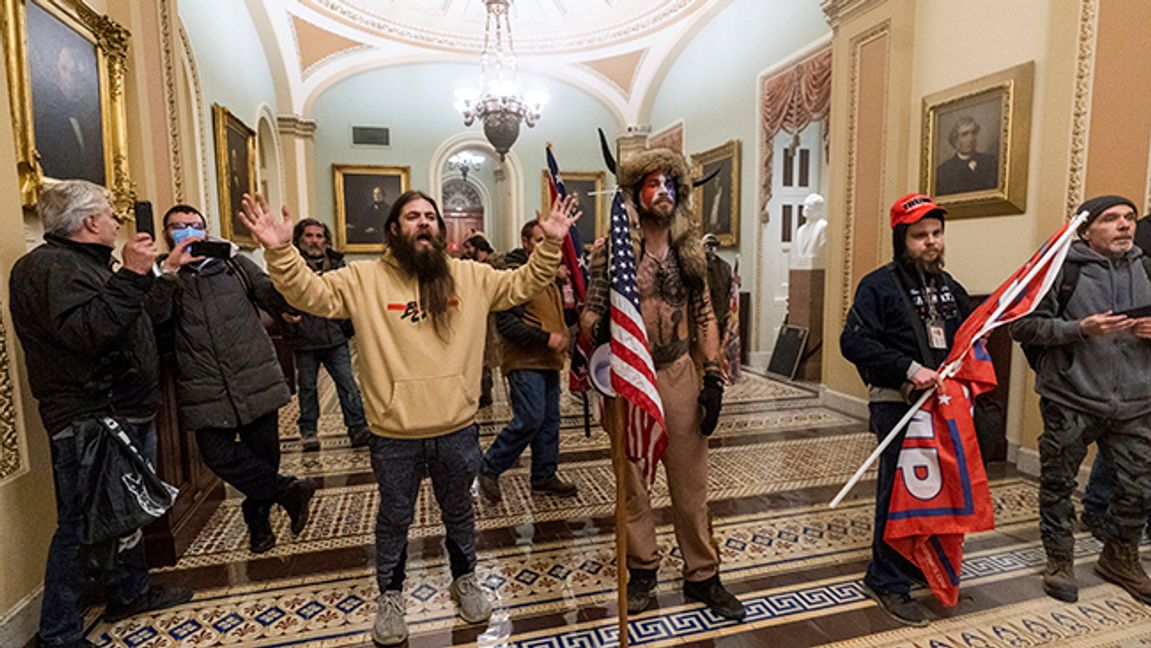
<point x="912" y="623"/>
<point x="1106" y="575"/>
<point x="390" y="641"/>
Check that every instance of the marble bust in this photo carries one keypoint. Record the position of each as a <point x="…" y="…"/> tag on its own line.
<point x="810" y="247"/>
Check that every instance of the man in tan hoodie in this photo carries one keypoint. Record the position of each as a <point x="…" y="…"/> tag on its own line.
<point x="421" y="318"/>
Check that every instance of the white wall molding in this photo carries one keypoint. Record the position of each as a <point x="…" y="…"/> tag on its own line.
<point x="19" y="624"/>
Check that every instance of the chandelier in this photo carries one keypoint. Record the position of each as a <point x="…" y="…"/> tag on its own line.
<point x="465" y="162"/>
<point x="499" y="103"/>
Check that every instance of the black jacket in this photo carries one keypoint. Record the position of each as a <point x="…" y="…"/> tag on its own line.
<point x="228" y="371"/>
<point x="880" y="336"/>
<point x="313" y="332"/>
<point x="88" y="345"/>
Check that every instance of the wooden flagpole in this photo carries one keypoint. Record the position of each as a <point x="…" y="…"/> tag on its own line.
<point x="615" y="412"/>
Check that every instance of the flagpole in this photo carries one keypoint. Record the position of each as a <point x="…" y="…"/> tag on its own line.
<point x="619" y="466"/>
<point x="948" y="371"/>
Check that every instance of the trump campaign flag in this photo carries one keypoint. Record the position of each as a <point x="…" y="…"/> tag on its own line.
<point x="941" y="490"/>
<point x="632" y="369"/>
<point x="576" y="266"/>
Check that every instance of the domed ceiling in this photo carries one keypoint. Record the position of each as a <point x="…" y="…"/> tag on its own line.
<point x="614" y="49"/>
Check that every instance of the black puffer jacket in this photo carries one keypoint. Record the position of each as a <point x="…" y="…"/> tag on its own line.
<point x="228" y="371"/>
<point x="88" y="345"/>
<point x="312" y="332"/>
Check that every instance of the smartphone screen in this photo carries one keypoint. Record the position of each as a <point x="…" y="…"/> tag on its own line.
<point x="217" y="249"/>
<point x="142" y="211"/>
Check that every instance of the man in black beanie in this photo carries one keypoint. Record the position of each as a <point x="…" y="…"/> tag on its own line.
<point x="1092" y="380"/>
<point x="899" y="330"/>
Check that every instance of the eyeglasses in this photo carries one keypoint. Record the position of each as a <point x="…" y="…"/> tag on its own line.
<point x="183" y="226"/>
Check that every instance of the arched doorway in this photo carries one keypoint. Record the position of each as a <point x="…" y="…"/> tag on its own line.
<point x="463" y="210"/>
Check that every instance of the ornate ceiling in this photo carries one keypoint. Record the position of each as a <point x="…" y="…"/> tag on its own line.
<point x="616" y="50"/>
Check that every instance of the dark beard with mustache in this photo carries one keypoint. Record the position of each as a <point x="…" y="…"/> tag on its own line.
<point x="427" y="264"/>
<point x="430" y="265"/>
<point x="921" y="266"/>
<point x="660" y="213"/>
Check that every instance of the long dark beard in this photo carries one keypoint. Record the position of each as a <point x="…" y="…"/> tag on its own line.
<point x="430" y="266"/>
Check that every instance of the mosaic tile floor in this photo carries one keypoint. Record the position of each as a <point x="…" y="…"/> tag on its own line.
<point x="550" y="563"/>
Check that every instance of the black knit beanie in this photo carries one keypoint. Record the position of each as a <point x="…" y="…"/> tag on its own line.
<point x="1096" y="206"/>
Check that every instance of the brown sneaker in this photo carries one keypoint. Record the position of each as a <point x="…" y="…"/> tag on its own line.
<point x="1119" y="563"/>
<point x="1059" y="580"/>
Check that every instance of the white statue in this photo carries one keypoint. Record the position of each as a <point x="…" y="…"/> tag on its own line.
<point x="810" y="247"/>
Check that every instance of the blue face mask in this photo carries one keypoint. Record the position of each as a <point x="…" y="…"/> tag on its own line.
<point x="178" y="235"/>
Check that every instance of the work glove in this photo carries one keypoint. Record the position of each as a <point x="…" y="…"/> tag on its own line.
<point x="710" y="399"/>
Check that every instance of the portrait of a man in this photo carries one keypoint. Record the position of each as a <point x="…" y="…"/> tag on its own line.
<point x="715" y="203"/>
<point x="968" y="168"/>
<point x="364" y="196"/>
<point x="66" y="108"/>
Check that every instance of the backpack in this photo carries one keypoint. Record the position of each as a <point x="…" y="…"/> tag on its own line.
<point x="1034" y="352"/>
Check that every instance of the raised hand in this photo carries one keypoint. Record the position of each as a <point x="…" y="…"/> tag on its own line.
<point x="270" y="230"/>
<point x="139" y="253"/>
<point x="564" y="212"/>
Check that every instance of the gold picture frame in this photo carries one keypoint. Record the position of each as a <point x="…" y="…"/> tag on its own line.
<point x="715" y="204"/>
<point x="364" y="195"/>
<point x="235" y="173"/>
<point x="588" y="186"/>
<point x="976" y="140"/>
<point x="67" y="64"/>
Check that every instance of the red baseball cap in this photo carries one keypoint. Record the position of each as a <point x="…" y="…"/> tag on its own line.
<point x="913" y="208"/>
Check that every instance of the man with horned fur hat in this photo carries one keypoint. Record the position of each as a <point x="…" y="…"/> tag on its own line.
<point x="671" y="277"/>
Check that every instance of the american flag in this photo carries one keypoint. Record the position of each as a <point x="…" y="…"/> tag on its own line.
<point x="632" y="370"/>
<point x="574" y="261"/>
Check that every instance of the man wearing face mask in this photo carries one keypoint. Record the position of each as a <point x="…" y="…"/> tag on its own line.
<point x="671" y="276"/>
<point x="1092" y="381"/>
<point x="898" y="331"/>
<point x="230" y="385"/>
<point x="322" y="341"/>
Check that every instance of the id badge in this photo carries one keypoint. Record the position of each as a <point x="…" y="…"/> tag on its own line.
<point x="937" y="336"/>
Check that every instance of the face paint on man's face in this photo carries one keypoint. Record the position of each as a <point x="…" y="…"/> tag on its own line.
<point x="656" y="185"/>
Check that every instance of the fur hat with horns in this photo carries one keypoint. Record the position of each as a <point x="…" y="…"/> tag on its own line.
<point x="684" y="238"/>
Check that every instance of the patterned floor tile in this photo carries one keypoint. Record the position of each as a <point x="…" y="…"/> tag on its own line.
<point x="547" y="577"/>
<point x="345" y="516"/>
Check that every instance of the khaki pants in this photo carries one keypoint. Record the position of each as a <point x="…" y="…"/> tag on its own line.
<point x="685" y="462"/>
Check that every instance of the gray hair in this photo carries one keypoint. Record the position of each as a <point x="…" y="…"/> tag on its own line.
<point x="960" y="124"/>
<point x="64" y="205"/>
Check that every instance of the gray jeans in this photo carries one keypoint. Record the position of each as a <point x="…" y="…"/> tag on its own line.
<point x="1126" y="445"/>
<point x="452" y="461"/>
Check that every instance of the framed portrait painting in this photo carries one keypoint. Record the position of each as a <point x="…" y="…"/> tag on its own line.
<point x="975" y="144"/>
<point x="66" y="77"/>
<point x="716" y="202"/>
<point x="364" y="195"/>
<point x="586" y="186"/>
<point x="235" y="172"/>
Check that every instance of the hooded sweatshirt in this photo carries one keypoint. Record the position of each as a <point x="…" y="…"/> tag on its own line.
<point x="415" y="382"/>
<point x="1104" y="375"/>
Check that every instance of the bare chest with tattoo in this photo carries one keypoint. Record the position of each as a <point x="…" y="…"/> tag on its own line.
<point x="663" y="301"/>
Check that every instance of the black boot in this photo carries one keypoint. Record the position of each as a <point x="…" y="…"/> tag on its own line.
<point x="640" y="584"/>
<point x="260" y="534"/>
<point x="295" y="498"/>
<point x="715" y="596"/>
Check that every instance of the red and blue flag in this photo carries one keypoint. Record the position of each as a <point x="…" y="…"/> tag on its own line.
<point x="575" y="263"/>
<point x="941" y="491"/>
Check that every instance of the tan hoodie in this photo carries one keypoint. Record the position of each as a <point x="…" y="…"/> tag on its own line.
<point x="415" y="384"/>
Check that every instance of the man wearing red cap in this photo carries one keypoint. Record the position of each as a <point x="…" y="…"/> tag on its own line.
<point x="899" y="330"/>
